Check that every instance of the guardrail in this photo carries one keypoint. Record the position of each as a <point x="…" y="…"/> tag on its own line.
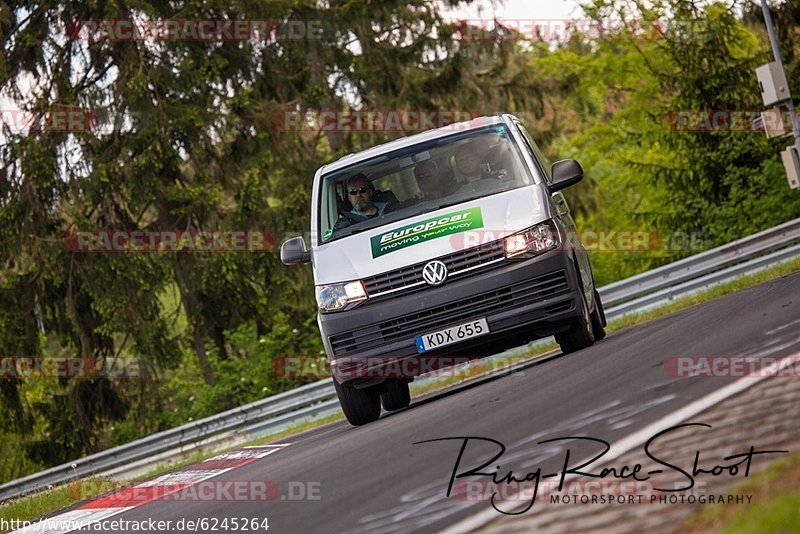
<point x="696" y="266"/>
<point x="258" y="414"/>
<point x="693" y="285"/>
<point x="274" y="413"/>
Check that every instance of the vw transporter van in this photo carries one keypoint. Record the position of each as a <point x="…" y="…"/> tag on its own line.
<point x="439" y="247"/>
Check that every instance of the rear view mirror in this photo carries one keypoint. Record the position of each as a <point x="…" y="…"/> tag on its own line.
<point x="294" y="251"/>
<point x="566" y="172"/>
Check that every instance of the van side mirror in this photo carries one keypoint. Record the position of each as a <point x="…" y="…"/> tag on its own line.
<point x="565" y="173"/>
<point x="294" y="251"/>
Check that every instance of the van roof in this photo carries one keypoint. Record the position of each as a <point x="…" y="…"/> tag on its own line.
<point x="444" y="131"/>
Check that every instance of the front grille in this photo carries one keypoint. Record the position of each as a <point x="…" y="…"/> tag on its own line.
<point x="459" y="264"/>
<point x="506" y="298"/>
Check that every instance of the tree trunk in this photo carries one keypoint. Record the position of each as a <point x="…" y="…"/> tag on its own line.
<point x="191" y="304"/>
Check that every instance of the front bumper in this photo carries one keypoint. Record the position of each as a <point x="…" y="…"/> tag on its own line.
<point x="521" y="300"/>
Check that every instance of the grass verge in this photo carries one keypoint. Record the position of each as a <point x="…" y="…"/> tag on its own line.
<point x="47" y="501"/>
<point x="775" y="508"/>
<point x="43" y="502"/>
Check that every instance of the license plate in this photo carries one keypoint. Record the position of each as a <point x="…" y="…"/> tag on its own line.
<point x="451" y="335"/>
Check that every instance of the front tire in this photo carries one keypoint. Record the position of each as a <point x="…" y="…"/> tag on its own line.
<point x="360" y="406"/>
<point x="580" y="334"/>
<point x="397" y="395"/>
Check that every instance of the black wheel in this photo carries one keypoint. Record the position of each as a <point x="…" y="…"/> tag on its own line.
<point x="580" y="335"/>
<point x="397" y="395"/>
<point x="360" y="406"/>
<point x="598" y="318"/>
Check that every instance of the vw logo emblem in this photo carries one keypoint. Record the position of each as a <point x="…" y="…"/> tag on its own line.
<point x="434" y="273"/>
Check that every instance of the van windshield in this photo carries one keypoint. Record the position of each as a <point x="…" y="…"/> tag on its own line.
<point x="419" y="179"/>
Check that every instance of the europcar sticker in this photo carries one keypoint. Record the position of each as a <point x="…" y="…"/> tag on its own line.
<point x="414" y="234"/>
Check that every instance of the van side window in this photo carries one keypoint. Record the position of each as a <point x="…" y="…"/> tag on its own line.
<point x="543" y="162"/>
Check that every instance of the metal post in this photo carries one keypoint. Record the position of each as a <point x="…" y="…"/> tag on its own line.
<point x="773" y="40"/>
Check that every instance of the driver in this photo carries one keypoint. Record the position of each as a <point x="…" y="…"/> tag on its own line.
<point x="360" y="192"/>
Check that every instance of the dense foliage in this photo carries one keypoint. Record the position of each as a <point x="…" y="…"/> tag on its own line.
<point x="185" y="138"/>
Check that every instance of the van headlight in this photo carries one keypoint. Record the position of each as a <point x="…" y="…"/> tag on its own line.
<point x="342" y="296"/>
<point x="531" y="242"/>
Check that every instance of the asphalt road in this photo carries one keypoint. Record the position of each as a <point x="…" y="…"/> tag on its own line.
<point x="374" y="479"/>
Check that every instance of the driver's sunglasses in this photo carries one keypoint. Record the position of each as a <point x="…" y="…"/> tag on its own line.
<point x="354" y="192"/>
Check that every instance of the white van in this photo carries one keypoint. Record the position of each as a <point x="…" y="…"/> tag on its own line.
<point x="440" y="247"/>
